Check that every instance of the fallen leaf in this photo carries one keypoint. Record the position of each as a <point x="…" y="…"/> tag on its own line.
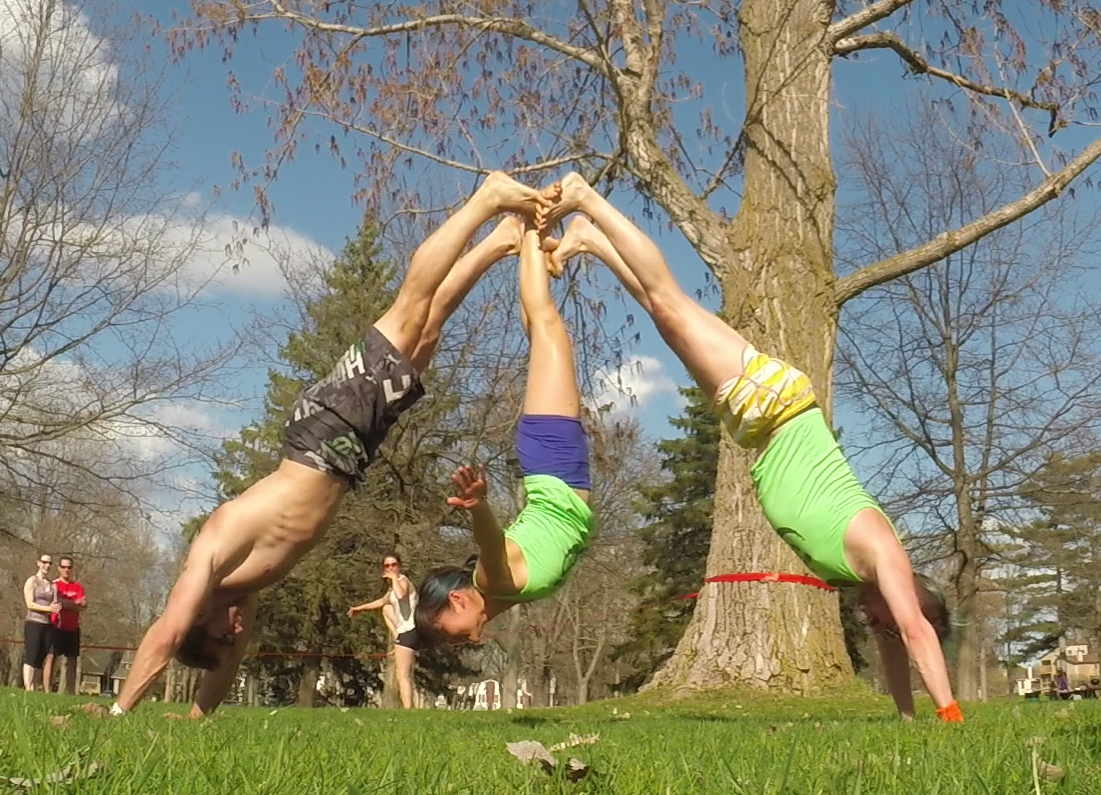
<point x="1052" y="773"/>
<point x="60" y="721"/>
<point x="532" y="751"/>
<point x="67" y="775"/>
<point x="95" y="710"/>
<point x="358" y="722"/>
<point x="1032" y="742"/>
<point x="574" y="741"/>
<point x="1063" y="714"/>
<point x="577" y="770"/>
<point x="174" y="716"/>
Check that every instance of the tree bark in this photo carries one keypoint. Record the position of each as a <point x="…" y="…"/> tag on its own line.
<point x="510" y="682"/>
<point x="778" y="288"/>
<point x="307" y="682"/>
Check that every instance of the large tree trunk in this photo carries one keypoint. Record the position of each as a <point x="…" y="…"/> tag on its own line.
<point x="778" y="290"/>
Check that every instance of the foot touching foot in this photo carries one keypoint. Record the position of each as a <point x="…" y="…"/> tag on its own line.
<point x="576" y="240"/>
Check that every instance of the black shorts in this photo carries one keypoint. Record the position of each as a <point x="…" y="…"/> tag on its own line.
<point x="410" y="640"/>
<point x="338" y="424"/>
<point x="37" y="639"/>
<point x="66" y="642"/>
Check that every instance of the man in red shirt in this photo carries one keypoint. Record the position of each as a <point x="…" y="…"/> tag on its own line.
<point x="66" y="634"/>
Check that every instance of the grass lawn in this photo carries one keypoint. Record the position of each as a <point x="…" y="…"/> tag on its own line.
<point x="714" y="744"/>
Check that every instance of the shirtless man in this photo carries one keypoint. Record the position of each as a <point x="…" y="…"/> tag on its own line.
<point x="333" y="434"/>
<point x="805" y="486"/>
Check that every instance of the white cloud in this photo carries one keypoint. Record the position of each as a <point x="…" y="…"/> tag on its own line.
<point x="232" y="256"/>
<point x="48" y="45"/>
<point x="638" y="382"/>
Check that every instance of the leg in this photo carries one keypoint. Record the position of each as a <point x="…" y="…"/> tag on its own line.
<point x="712" y="351"/>
<point x="403" y="672"/>
<point x="552" y="377"/>
<point x="70" y="675"/>
<point x="504" y="240"/>
<point x="389" y="618"/>
<point x="28" y="678"/>
<point x="48" y="672"/>
<point x="404" y="321"/>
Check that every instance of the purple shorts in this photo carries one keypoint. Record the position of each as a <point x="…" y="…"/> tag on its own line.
<point x="548" y="444"/>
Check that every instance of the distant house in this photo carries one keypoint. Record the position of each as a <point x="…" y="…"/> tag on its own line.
<point x="486" y="695"/>
<point x="1081" y="666"/>
<point x="102" y="671"/>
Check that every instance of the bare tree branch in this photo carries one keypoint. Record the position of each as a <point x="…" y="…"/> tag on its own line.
<point x="509" y="27"/>
<point x="918" y="65"/>
<point x="948" y="242"/>
<point x="862" y="18"/>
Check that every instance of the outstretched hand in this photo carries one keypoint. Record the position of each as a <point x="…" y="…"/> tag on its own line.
<point x="470" y="487"/>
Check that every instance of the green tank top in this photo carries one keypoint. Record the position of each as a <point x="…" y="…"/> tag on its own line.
<point x="810" y="494"/>
<point x="551" y="531"/>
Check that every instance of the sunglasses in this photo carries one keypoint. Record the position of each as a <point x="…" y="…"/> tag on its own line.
<point x="389" y="565"/>
<point x="64" y="566"/>
<point x="46" y="562"/>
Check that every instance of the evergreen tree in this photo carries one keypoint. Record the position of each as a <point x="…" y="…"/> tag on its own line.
<point x="675" y="539"/>
<point x="1058" y="557"/>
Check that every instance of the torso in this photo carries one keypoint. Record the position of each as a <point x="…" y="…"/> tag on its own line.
<point x="259" y="537"/>
<point x="404" y="609"/>
<point x="43" y="595"/>
<point x="68" y="619"/>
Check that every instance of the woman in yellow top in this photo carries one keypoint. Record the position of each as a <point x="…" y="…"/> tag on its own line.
<point x="530" y="559"/>
<point x="805" y="486"/>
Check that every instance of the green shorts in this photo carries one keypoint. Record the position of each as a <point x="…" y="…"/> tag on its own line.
<point x="809" y="494"/>
<point x="551" y="531"/>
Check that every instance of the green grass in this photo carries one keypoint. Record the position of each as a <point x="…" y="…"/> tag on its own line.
<point x="715" y="744"/>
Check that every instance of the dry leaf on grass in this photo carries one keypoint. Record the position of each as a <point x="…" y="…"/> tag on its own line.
<point x="1052" y="773"/>
<point x="174" y="716"/>
<point x="95" y="710"/>
<point x="532" y="751"/>
<point x="574" y="741"/>
<point x="67" y="775"/>
<point x="60" y="721"/>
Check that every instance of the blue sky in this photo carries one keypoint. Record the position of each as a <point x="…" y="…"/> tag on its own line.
<point x="313" y="205"/>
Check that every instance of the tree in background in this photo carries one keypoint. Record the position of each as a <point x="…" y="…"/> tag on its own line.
<point x="1057" y="558"/>
<point x="96" y="288"/>
<point x="634" y="95"/>
<point x="967" y="373"/>
<point x="675" y="538"/>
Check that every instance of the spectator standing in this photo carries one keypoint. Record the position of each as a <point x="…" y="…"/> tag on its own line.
<point x="40" y="596"/>
<point x="66" y="631"/>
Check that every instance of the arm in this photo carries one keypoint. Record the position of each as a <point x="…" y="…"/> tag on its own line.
<point x="34" y="607"/>
<point x="77" y="604"/>
<point x="163" y="638"/>
<point x="896" y="667"/>
<point x="895" y="579"/>
<point x="377" y="604"/>
<point x="216" y="684"/>
<point x="401" y="586"/>
<point x="489" y="536"/>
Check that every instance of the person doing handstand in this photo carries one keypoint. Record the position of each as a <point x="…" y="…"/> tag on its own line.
<point x="532" y="557"/>
<point x="331" y="437"/>
<point x="806" y="488"/>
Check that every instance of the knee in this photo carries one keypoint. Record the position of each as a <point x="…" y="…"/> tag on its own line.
<point x="666" y="308"/>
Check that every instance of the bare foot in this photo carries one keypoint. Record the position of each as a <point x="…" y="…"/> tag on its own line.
<point x="573" y="190"/>
<point x="509" y="233"/>
<point x="505" y="193"/>
<point x="577" y="239"/>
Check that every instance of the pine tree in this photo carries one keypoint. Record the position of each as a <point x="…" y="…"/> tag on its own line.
<point x="676" y="538"/>
<point x="1058" y="557"/>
